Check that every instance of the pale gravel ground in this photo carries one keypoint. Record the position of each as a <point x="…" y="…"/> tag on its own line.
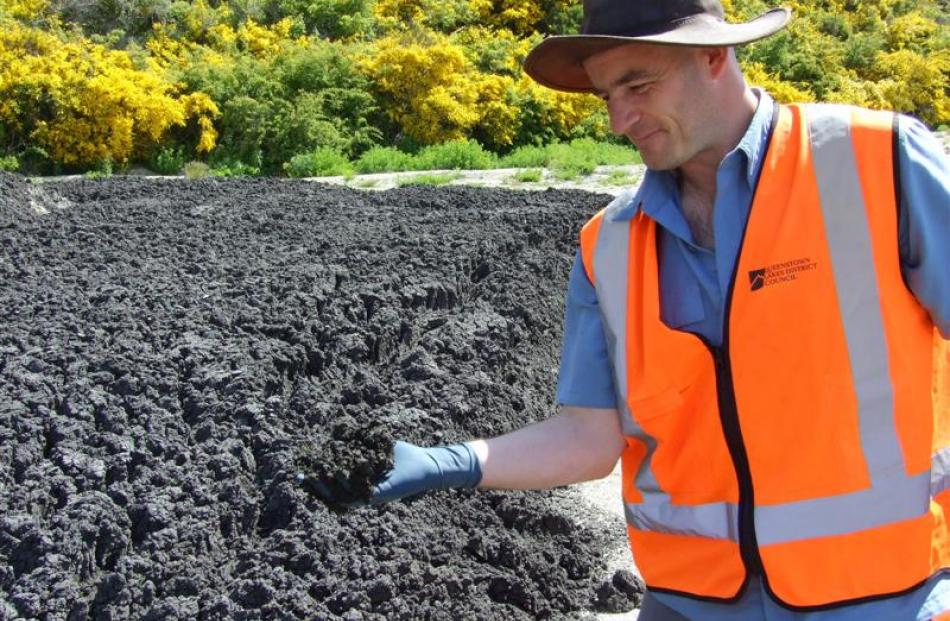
<point x="605" y="179"/>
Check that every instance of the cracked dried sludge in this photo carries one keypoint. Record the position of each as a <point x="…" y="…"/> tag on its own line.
<point x="168" y="348"/>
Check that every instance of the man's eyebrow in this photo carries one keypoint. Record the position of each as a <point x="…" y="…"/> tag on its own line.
<point x="633" y="74"/>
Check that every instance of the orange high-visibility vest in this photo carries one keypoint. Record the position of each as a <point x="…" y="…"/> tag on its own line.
<point x="812" y="447"/>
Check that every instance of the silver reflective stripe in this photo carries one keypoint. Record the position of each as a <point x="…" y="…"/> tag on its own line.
<point x="715" y="521"/>
<point x="940" y="471"/>
<point x="852" y="261"/>
<point x="892" y="500"/>
<point x="611" y="265"/>
<point x="645" y="480"/>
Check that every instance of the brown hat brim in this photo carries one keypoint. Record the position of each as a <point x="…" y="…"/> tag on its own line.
<point x="556" y="61"/>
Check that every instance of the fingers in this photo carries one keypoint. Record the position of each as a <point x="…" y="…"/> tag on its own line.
<point x="413" y="473"/>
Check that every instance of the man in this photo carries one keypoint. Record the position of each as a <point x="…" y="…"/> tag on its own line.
<point x="757" y="332"/>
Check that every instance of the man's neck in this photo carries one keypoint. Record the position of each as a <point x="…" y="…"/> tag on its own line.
<point x="699" y="173"/>
<point x="697" y="177"/>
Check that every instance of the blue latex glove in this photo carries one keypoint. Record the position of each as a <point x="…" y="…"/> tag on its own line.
<point x="415" y="470"/>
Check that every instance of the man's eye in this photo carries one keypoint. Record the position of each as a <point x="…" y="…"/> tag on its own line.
<point x="637" y="88"/>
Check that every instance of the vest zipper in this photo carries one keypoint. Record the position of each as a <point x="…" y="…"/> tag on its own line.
<point x="729" y="416"/>
<point x="729" y="411"/>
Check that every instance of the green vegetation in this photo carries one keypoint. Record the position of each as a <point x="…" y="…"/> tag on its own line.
<point x="529" y="175"/>
<point x="9" y="163"/>
<point x="528" y="156"/>
<point x="576" y="158"/>
<point x="452" y="155"/>
<point x="581" y="157"/>
<point x="322" y="162"/>
<point x="103" y="170"/>
<point x="455" y="155"/>
<point x="318" y="87"/>
<point x="234" y="169"/>
<point x="196" y="170"/>
<point x="384" y="159"/>
<point x="620" y="178"/>
<point x="168" y="160"/>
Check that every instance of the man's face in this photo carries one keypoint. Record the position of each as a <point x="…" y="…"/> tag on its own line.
<point x="655" y="97"/>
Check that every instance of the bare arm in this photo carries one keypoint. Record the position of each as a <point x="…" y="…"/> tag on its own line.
<point x="579" y="444"/>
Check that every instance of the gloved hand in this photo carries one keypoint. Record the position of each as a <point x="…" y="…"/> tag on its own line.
<point x="418" y="469"/>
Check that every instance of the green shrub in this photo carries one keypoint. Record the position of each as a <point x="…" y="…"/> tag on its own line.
<point x="583" y="156"/>
<point x="103" y="170"/>
<point x="602" y="153"/>
<point x="167" y="160"/>
<point x="130" y="17"/>
<point x="36" y="161"/>
<point x="384" y="159"/>
<point x="609" y="154"/>
<point x="455" y="155"/>
<point x="196" y="170"/>
<point x="331" y="19"/>
<point x="528" y="156"/>
<point x="235" y="169"/>
<point x="322" y="162"/>
<point x="273" y="109"/>
<point x="428" y="179"/>
<point x="531" y="175"/>
<point x="243" y="130"/>
<point x="619" y="178"/>
<point x="9" y="163"/>
<point x="569" y="161"/>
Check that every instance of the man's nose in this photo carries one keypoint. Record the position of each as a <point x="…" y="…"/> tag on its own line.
<point x="622" y="115"/>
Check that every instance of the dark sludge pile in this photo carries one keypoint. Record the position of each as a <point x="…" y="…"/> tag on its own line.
<point x="169" y="349"/>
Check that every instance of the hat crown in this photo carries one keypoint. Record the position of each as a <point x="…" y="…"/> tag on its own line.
<point x="642" y="17"/>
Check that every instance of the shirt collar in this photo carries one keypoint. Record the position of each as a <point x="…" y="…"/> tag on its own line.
<point x="657" y="186"/>
<point x="755" y="140"/>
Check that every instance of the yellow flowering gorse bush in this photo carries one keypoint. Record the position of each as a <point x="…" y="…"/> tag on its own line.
<point x="83" y="103"/>
<point x="432" y="90"/>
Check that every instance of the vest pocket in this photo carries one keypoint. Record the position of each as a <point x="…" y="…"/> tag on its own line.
<point x="659" y="404"/>
<point x="688" y="454"/>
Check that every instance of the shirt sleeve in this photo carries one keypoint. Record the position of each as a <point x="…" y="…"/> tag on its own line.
<point x="586" y="375"/>
<point x="924" y="225"/>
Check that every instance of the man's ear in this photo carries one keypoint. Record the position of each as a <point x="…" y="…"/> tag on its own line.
<point x="716" y="60"/>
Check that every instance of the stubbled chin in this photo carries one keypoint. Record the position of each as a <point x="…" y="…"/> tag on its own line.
<point x="658" y="161"/>
<point x="654" y="154"/>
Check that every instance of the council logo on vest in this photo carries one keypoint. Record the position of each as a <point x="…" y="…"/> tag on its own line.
<point x="779" y="273"/>
<point x="757" y="279"/>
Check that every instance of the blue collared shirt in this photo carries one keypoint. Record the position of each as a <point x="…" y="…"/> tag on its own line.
<point x="694" y="284"/>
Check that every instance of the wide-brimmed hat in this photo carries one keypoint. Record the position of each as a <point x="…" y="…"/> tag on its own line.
<point x="556" y="61"/>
